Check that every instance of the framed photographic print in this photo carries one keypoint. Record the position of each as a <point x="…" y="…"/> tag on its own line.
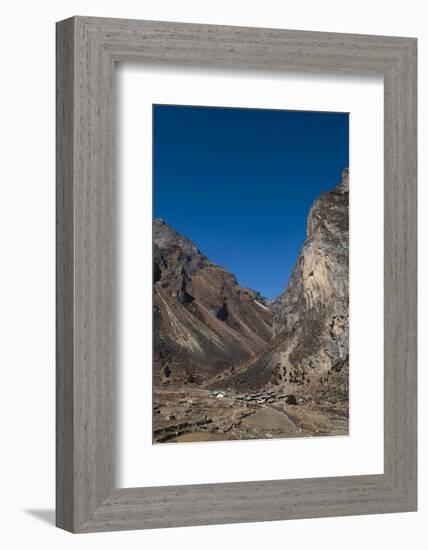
<point x="236" y="274"/>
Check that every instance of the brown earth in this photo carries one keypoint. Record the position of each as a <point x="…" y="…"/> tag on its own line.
<point x="201" y="415"/>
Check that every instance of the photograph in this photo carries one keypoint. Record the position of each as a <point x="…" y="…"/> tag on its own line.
<point x="250" y="273"/>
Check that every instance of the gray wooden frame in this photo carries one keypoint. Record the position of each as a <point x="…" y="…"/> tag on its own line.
<point x="87" y="50"/>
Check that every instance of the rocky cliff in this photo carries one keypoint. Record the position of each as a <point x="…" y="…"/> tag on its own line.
<point x="205" y="323"/>
<point x="309" y="348"/>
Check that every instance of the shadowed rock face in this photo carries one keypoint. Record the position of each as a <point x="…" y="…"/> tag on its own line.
<point x="309" y="348"/>
<point x="204" y="322"/>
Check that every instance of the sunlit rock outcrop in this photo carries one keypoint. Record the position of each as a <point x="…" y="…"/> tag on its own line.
<point x="310" y="344"/>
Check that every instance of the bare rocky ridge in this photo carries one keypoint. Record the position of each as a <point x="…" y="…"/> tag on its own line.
<point x="227" y="365"/>
<point x="311" y="318"/>
<point x="204" y="322"/>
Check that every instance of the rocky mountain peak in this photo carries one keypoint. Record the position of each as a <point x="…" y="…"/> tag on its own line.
<point x="320" y="277"/>
<point x="311" y="317"/>
<point x="165" y="236"/>
<point x="343" y="186"/>
<point x="205" y="322"/>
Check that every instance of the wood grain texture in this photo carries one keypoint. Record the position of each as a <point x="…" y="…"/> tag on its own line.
<point x="64" y="276"/>
<point x="87" y="50"/>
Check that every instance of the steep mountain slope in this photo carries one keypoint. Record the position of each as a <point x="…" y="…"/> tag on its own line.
<point x="204" y="322"/>
<point x="309" y="348"/>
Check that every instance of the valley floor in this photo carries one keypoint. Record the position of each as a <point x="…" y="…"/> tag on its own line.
<point x="191" y="414"/>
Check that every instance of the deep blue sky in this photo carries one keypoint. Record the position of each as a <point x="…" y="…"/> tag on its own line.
<point x="239" y="182"/>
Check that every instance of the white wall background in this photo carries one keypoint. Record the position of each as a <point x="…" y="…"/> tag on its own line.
<point x="27" y="271"/>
